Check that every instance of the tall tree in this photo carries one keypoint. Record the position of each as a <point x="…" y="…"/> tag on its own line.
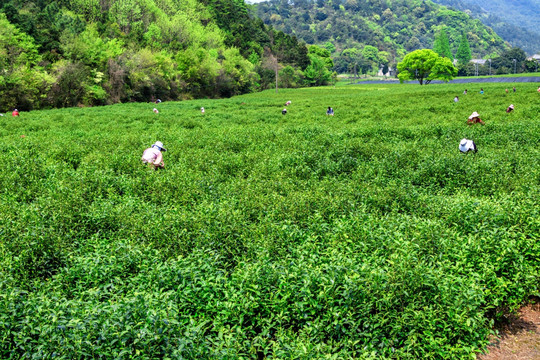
<point x="425" y="65"/>
<point x="270" y="62"/>
<point x="442" y="45"/>
<point x="463" y="53"/>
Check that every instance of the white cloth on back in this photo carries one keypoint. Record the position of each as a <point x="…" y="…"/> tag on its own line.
<point x="150" y="155"/>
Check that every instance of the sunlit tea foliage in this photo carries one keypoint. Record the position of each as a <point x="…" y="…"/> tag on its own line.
<point x="363" y="235"/>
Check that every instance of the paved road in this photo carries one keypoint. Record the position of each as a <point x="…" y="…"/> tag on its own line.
<point x="462" y="81"/>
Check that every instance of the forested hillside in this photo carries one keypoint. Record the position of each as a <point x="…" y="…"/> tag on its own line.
<point x="523" y="13"/>
<point x="517" y="33"/>
<point x="93" y="52"/>
<point x="392" y="27"/>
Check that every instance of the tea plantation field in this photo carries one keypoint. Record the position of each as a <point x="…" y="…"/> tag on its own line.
<point x="366" y="235"/>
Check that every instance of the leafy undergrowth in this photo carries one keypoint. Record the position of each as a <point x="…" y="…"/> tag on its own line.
<point x="363" y="235"/>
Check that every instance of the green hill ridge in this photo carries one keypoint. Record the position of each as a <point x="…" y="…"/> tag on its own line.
<point x="394" y="27"/>
<point x="517" y="30"/>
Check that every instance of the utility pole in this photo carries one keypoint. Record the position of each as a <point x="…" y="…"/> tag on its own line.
<point x="489" y="66"/>
<point x="515" y="63"/>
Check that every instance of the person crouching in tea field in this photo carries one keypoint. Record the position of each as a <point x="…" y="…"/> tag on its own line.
<point x="467" y="145"/>
<point x="475" y="119"/>
<point x="15" y="113"/>
<point x="153" y="155"/>
<point x="284" y="111"/>
<point x="510" y="108"/>
<point x="330" y="111"/>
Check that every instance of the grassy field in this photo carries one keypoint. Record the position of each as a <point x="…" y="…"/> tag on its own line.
<point x="366" y="235"/>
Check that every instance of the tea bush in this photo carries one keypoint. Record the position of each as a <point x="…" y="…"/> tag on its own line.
<point x="362" y="235"/>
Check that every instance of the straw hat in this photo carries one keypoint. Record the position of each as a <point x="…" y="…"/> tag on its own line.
<point x="466" y="145"/>
<point x="511" y="106"/>
<point x="159" y="145"/>
<point x="473" y="115"/>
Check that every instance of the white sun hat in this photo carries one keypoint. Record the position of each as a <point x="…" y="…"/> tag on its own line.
<point x="511" y="106"/>
<point x="159" y="145"/>
<point x="467" y="145"/>
<point x="473" y="115"/>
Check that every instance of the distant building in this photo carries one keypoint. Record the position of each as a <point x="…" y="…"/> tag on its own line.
<point x="478" y="61"/>
<point x="391" y="72"/>
<point x="535" y="57"/>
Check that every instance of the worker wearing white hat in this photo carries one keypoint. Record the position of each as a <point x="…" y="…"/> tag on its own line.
<point x="475" y="119"/>
<point x="153" y="155"/>
<point x="467" y="145"/>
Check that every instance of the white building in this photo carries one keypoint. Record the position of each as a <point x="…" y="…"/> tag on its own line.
<point x="478" y="61"/>
<point x="390" y="72"/>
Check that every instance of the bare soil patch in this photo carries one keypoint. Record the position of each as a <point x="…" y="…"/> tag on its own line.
<point x="519" y="337"/>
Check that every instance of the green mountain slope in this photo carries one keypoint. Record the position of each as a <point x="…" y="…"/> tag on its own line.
<point x="523" y="13"/>
<point x="519" y="34"/>
<point x="393" y="26"/>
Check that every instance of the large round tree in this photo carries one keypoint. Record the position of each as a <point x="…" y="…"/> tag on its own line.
<point x="425" y="65"/>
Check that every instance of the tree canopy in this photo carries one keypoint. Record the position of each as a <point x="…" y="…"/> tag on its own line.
<point x="93" y="52"/>
<point x="442" y="45"/>
<point x="425" y="65"/>
<point x="463" y="53"/>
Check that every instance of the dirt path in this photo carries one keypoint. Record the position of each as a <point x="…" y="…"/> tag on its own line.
<point x="519" y="339"/>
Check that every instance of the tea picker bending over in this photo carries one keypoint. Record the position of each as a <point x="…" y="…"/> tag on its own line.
<point x="330" y="111"/>
<point x="467" y="145"/>
<point x="153" y="155"/>
<point x="475" y="119"/>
